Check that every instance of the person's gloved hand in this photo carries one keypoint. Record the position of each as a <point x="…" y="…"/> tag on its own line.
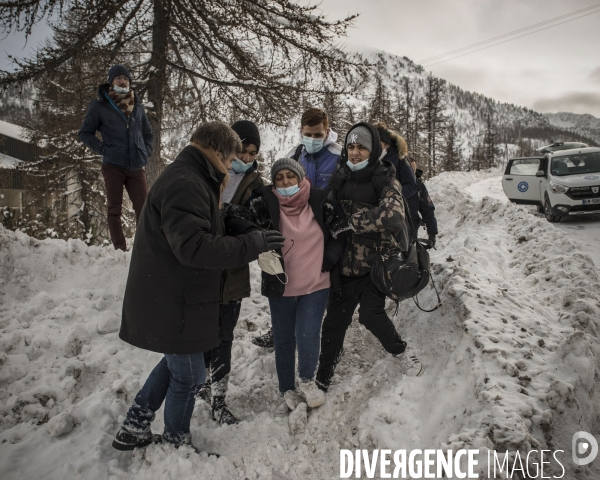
<point x="267" y="240"/>
<point x="340" y="227"/>
<point x="432" y="240"/>
<point x="327" y="266"/>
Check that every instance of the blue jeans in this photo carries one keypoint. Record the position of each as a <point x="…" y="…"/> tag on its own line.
<point x="297" y="324"/>
<point x="172" y="381"/>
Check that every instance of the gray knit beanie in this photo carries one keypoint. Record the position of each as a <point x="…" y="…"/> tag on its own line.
<point x="360" y="135"/>
<point x="290" y="164"/>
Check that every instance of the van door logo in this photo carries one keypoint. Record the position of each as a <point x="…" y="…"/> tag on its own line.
<point x="523" y="187"/>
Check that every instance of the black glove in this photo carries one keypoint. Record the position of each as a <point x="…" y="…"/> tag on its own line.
<point x="327" y="266"/>
<point x="340" y="227"/>
<point x="269" y="240"/>
<point x="432" y="240"/>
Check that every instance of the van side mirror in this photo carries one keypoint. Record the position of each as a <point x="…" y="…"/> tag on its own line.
<point x="540" y="173"/>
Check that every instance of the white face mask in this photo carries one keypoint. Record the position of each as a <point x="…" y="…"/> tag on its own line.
<point x="120" y="90"/>
<point x="269" y="263"/>
<point x="383" y="153"/>
<point x="355" y="167"/>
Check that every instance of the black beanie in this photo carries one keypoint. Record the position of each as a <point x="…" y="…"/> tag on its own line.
<point x="117" y="70"/>
<point x="247" y="131"/>
<point x="384" y="135"/>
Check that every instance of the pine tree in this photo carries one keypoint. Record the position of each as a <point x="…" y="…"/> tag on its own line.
<point x="490" y="144"/>
<point x="433" y="119"/>
<point x="380" y="107"/>
<point x="257" y="55"/>
<point x="452" y="154"/>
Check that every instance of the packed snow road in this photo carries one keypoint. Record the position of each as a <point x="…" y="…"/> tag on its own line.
<point x="584" y="229"/>
<point x="511" y="360"/>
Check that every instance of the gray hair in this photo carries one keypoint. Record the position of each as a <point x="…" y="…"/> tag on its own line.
<point x="217" y="136"/>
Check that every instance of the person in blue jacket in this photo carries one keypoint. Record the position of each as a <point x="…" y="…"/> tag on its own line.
<point x="318" y="153"/>
<point x="426" y="206"/>
<point x="126" y="145"/>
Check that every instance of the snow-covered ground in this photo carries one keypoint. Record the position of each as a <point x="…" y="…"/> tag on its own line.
<point x="512" y="359"/>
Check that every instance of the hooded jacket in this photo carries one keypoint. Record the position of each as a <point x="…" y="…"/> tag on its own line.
<point x="372" y="200"/>
<point x="397" y="156"/>
<point x="426" y="206"/>
<point x="320" y="166"/>
<point x="126" y="142"/>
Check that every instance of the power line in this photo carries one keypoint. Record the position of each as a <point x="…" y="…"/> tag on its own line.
<point x="510" y="39"/>
<point x="468" y="47"/>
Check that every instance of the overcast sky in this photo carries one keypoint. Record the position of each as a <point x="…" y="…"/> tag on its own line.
<point x="557" y="69"/>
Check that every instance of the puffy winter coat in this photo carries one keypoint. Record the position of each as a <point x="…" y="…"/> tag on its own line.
<point x="426" y="206"/>
<point x="372" y="198"/>
<point x="173" y="290"/>
<point x="397" y="156"/>
<point x="320" y="166"/>
<point x="126" y="143"/>
<point x="236" y="281"/>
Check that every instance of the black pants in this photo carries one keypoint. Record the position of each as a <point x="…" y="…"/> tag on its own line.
<point x="355" y="290"/>
<point x="218" y="360"/>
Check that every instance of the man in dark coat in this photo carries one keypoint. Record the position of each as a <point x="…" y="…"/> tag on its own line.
<point x="426" y="206"/>
<point x="126" y="144"/>
<point x="171" y="303"/>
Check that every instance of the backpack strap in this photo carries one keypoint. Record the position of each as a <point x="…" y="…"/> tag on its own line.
<point x="298" y="152"/>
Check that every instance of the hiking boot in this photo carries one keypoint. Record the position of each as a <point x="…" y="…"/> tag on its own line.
<point x="265" y="341"/>
<point x="125" y="441"/>
<point x="292" y="399"/>
<point x="221" y="413"/>
<point x="312" y="394"/>
<point x="204" y="391"/>
<point x="410" y="364"/>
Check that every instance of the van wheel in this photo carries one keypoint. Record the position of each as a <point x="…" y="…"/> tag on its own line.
<point x="547" y="212"/>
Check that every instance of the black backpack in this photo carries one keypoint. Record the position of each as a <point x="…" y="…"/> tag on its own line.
<point x="402" y="275"/>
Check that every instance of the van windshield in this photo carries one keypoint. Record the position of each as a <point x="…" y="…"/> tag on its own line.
<point x="576" y="164"/>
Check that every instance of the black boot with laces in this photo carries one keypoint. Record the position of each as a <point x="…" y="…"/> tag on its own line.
<point x="221" y="413"/>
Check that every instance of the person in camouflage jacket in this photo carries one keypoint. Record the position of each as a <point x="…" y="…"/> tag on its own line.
<point x="376" y="222"/>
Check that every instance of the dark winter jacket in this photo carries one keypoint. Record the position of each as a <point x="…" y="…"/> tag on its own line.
<point x="372" y="198"/>
<point x="173" y="290"/>
<point x="264" y="211"/>
<point x="426" y="207"/>
<point x="236" y="281"/>
<point x="320" y="166"/>
<point x="406" y="177"/>
<point x="126" y="143"/>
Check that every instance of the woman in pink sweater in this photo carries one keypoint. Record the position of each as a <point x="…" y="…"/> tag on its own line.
<point x="299" y="296"/>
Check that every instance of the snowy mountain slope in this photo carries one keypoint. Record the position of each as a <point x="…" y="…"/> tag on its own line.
<point x="586" y="124"/>
<point x="511" y="360"/>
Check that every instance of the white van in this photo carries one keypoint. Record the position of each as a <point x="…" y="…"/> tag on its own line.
<point x="564" y="182"/>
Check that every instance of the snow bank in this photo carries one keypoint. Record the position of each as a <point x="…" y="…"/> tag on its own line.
<point x="511" y="360"/>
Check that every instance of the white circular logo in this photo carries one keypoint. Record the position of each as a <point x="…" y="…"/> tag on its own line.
<point x="585" y="448"/>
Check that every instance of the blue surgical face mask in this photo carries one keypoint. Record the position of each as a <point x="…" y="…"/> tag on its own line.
<point x="240" y="167"/>
<point x="355" y="167"/>
<point x="288" y="191"/>
<point x="313" y="145"/>
<point x="120" y="90"/>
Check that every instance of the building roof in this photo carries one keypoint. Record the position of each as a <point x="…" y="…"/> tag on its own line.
<point x="14" y="131"/>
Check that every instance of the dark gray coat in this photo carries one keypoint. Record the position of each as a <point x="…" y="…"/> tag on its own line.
<point x="126" y="143"/>
<point x="171" y="302"/>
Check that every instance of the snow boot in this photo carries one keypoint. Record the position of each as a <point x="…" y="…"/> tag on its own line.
<point x="312" y="394"/>
<point x="410" y="364"/>
<point x="265" y="341"/>
<point x="125" y="441"/>
<point x="221" y="413"/>
<point x="204" y="391"/>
